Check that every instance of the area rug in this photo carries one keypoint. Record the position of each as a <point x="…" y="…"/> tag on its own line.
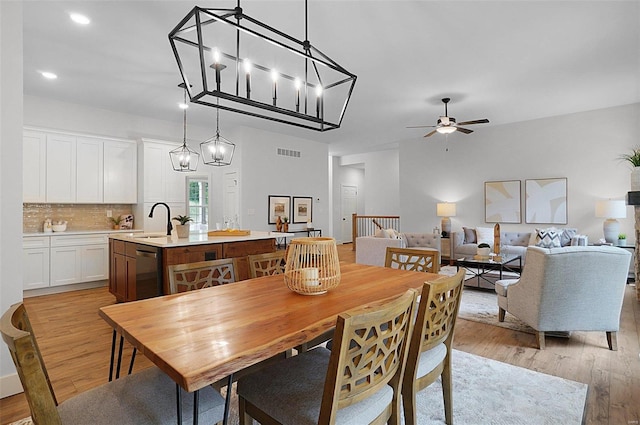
<point x="481" y="305"/>
<point x="488" y="392"/>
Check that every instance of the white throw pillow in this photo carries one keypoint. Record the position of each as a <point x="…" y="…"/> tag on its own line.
<point x="484" y="235"/>
<point x="392" y="234"/>
<point x="381" y="234"/>
<point x="548" y="238"/>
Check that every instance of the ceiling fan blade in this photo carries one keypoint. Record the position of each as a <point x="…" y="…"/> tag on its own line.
<point x="421" y="126"/>
<point x="430" y="134"/>
<point x="482" y="121"/>
<point x="464" y="130"/>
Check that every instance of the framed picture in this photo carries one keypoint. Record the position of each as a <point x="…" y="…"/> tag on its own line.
<point x="279" y="206"/>
<point x="546" y="201"/>
<point x="302" y="209"/>
<point x="502" y="203"/>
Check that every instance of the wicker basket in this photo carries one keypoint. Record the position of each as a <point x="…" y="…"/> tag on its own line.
<point x="312" y="266"/>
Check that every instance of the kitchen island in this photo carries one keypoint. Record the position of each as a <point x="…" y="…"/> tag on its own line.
<point x="138" y="262"/>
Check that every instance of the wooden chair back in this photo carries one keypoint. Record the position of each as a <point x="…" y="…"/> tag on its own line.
<point x="266" y="264"/>
<point x="421" y="260"/>
<point x="435" y="323"/>
<point x="202" y="274"/>
<point x="18" y="335"/>
<point x="369" y="351"/>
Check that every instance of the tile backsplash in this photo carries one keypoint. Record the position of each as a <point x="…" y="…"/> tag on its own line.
<point x="79" y="217"/>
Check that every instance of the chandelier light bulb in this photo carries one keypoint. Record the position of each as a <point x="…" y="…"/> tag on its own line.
<point x="183" y="105"/>
<point x="297" y="83"/>
<point x="274" y="75"/>
<point x="247" y="66"/>
<point x="216" y="56"/>
<point x="318" y="90"/>
<point x="79" y="19"/>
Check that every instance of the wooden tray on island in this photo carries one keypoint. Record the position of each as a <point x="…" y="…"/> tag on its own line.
<point x="229" y="232"/>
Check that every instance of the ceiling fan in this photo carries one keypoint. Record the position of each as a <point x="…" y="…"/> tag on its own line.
<point x="448" y="125"/>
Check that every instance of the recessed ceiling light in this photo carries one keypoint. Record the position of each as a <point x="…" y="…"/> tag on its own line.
<point x="49" y="75"/>
<point x="79" y="19"/>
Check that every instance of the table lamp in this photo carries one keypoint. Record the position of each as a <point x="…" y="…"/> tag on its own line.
<point x="611" y="209"/>
<point x="446" y="210"/>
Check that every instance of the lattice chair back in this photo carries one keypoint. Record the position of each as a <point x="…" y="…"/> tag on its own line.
<point x="431" y="343"/>
<point x="421" y="260"/>
<point x="266" y="264"/>
<point x="203" y="274"/>
<point x="369" y="351"/>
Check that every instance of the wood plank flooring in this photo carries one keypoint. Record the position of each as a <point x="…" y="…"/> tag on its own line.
<point x="75" y="344"/>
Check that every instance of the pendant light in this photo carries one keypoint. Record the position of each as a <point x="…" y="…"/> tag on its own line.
<point x="217" y="151"/>
<point x="184" y="159"/>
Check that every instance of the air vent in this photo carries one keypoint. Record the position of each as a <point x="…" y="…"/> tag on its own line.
<point x="288" y="152"/>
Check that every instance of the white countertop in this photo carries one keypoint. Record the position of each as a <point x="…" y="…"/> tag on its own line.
<point x="161" y="240"/>
<point x="80" y="232"/>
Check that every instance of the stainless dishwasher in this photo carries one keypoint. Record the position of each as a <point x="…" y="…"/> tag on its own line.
<point x="148" y="271"/>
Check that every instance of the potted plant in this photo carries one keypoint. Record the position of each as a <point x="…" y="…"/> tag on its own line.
<point x="633" y="158"/>
<point x="115" y="221"/>
<point x="182" y="229"/>
<point x="622" y="239"/>
<point x="484" y="250"/>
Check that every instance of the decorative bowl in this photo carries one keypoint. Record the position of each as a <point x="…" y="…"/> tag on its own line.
<point x="59" y="227"/>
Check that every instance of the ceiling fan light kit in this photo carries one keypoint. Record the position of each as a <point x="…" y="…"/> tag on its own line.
<point x="447" y="125"/>
<point x="237" y="63"/>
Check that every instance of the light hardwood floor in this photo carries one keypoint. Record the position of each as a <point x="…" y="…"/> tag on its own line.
<point x="75" y="344"/>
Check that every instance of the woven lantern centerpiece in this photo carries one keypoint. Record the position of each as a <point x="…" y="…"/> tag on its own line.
<point x="312" y="266"/>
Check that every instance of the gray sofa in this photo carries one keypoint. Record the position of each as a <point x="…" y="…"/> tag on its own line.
<point x="513" y="243"/>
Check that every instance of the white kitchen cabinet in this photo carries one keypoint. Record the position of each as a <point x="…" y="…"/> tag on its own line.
<point x="160" y="182"/>
<point x="89" y="170"/>
<point x="35" y="262"/>
<point x="65" y="265"/>
<point x="120" y="172"/>
<point x="61" y="168"/>
<point x="79" y="258"/>
<point x="34" y="166"/>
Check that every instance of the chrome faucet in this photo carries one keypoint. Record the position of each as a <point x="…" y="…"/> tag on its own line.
<point x="169" y="225"/>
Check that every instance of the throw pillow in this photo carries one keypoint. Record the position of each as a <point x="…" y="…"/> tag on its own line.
<point x="567" y="234"/>
<point x="548" y="238"/>
<point x="484" y="235"/>
<point x="392" y="234"/>
<point x="469" y="235"/>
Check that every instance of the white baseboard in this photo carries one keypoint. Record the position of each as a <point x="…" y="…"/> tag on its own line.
<point x="10" y="385"/>
<point x="64" y="288"/>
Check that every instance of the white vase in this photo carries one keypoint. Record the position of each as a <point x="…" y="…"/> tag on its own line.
<point x="635" y="179"/>
<point x="182" y="230"/>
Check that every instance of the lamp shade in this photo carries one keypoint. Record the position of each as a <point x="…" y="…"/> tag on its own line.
<point x="446" y="209"/>
<point x="611" y="209"/>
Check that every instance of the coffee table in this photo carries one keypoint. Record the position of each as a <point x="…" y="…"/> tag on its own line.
<point x="480" y="267"/>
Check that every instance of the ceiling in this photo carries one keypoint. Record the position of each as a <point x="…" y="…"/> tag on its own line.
<point x="507" y="61"/>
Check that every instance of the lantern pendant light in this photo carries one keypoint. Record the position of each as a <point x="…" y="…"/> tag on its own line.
<point x="184" y="159"/>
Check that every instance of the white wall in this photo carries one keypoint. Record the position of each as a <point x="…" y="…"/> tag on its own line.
<point x="584" y="147"/>
<point x="265" y="173"/>
<point x="10" y="176"/>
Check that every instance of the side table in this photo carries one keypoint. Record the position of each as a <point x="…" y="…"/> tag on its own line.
<point x="445" y="250"/>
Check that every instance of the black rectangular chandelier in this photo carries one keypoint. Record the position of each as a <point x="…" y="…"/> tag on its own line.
<point x="233" y="62"/>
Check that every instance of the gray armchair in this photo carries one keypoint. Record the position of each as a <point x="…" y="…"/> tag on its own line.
<point x="576" y="288"/>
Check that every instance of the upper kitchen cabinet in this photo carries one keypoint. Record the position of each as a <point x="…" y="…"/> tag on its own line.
<point x="34" y="167"/>
<point x="61" y="168"/>
<point x="160" y="182"/>
<point x="120" y="172"/>
<point x="89" y="170"/>
<point x="73" y="168"/>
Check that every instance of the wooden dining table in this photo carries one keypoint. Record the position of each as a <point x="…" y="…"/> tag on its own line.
<point x="201" y="337"/>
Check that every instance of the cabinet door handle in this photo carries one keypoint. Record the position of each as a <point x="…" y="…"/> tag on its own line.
<point x="146" y="254"/>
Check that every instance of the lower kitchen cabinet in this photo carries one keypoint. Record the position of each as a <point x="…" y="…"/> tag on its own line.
<point x="35" y="262"/>
<point x="51" y="261"/>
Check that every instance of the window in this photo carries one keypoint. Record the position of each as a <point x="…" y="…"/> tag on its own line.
<point x="198" y="202"/>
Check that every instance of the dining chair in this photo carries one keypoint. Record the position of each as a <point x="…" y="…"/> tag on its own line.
<point x="202" y="274"/>
<point x="266" y="264"/>
<point x="431" y="343"/>
<point x="422" y="260"/>
<point x="358" y="381"/>
<point x="146" y="397"/>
